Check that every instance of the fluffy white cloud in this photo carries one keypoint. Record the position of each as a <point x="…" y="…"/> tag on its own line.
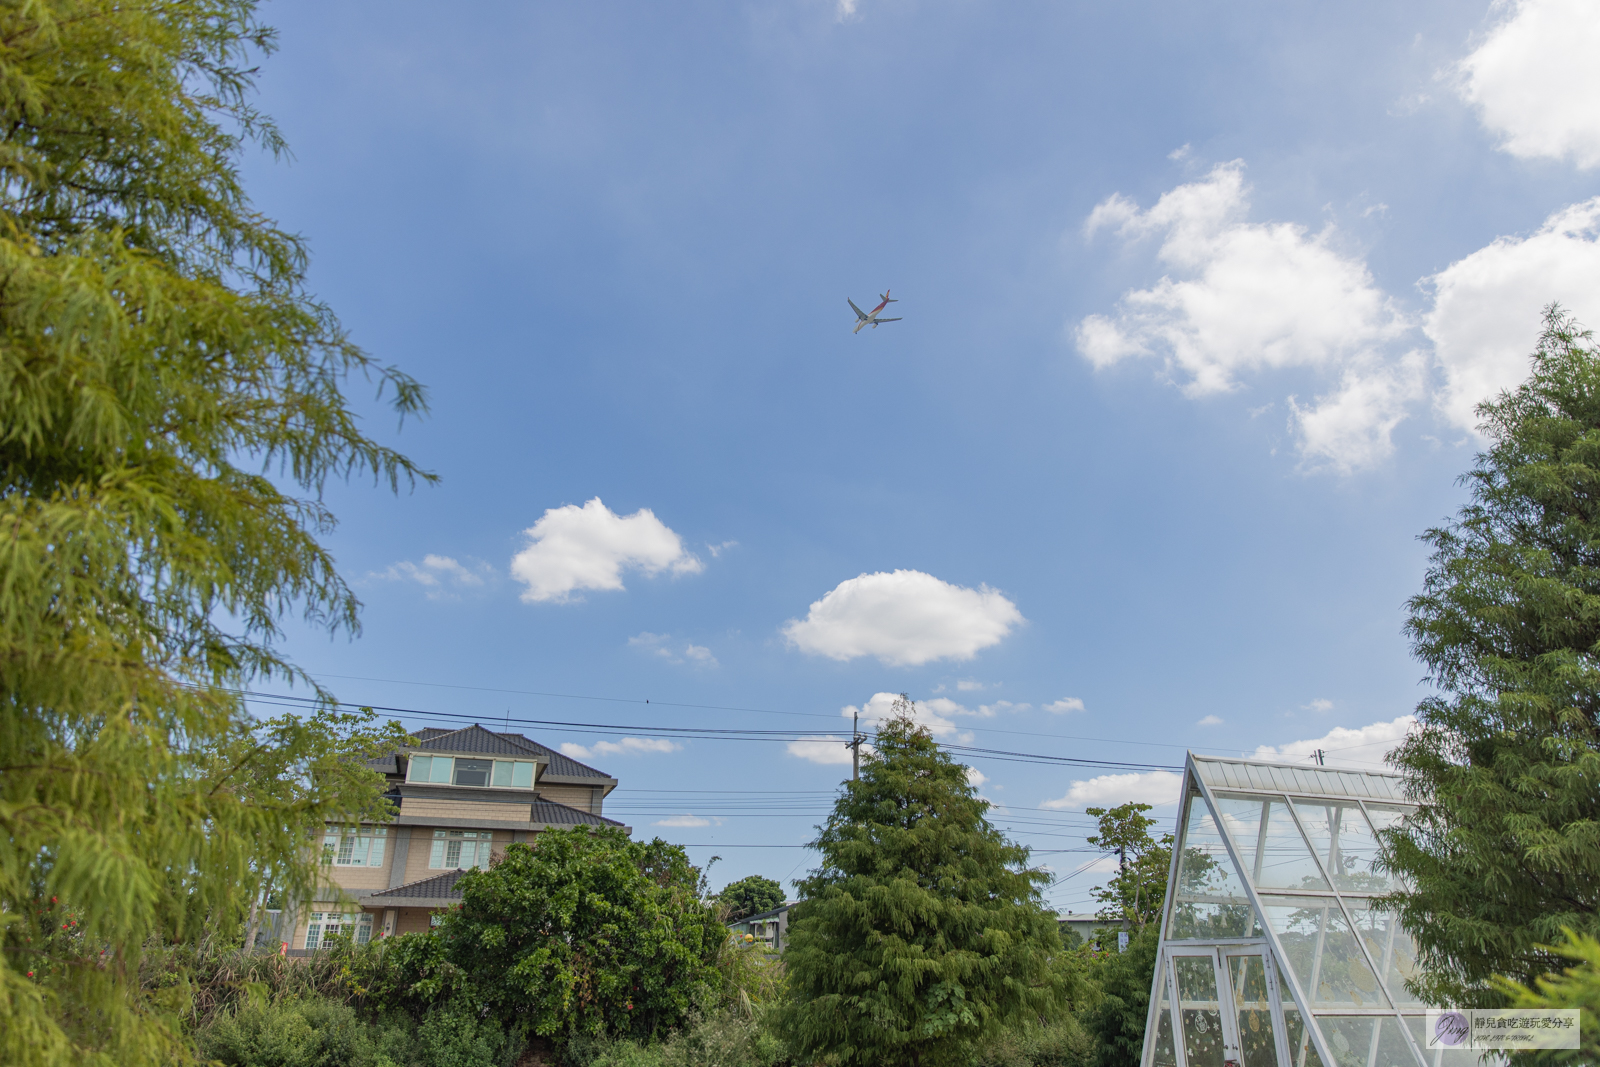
<point x="439" y="575"/>
<point x="1319" y="704"/>
<point x="976" y="778"/>
<point x="1065" y="704"/>
<point x="1254" y="296"/>
<point x="829" y="751"/>
<point x="628" y="746"/>
<point x="662" y="645"/>
<point x="685" y="821"/>
<point x="1363" y="747"/>
<point x="573" y="548"/>
<point x="1210" y="720"/>
<point x="1486" y="307"/>
<point x="1157" y="788"/>
<point x="1535" y="82"/>
<point x="905" y="619"/>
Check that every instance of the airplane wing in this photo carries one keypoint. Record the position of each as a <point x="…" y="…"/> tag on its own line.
<point x="889" y="320"/>
<point x="859" y="313"/>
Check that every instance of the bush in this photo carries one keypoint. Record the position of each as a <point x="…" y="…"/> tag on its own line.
<point x="1117" y="1022"/>
<point x="1063" y="1042"/>
<point x="298" y="1032"/>
<point x="729" y="1038"/>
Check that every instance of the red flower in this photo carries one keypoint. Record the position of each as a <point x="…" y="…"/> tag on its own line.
<point x="30" y="974"/>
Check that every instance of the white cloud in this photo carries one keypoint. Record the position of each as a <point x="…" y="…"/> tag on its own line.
<point x="663" y="646"/>
<point x="844" y="10"/>
<point x="1485" y="316"/>
<point x="685" y="821"/>
<point x="1065" y="704"/>
<point x="1363" y="747"/>
<point x="573" y="548"/>
<point x="1319" y="704"/>
<point x="1210" y="720"/>
<point x="1157" y="788"/>
<point x="829" y="750"/>
<point x="1249" y="297"/>
<point x="1535" y="82"/>
<point x="967" y="685"/>
<point x="628" y="746"/>
<point x="439" y="575"/>
<point x="933" y="715"/>
<point x="976" y="778"/>
<point x="719" y="549"/>
<point x="905" y="619"/>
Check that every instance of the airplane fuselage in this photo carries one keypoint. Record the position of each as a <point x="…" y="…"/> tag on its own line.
<point x="870" y="318"/>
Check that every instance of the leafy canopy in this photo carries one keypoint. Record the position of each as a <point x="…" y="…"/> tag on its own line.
<point x="922" y="933"/>
<point x="1505" y="849"/>
<point x="1136" y="893"/>
<point x="588" y="934"/>
<point x="167" y="387"/>
<point x="749" y="896"/>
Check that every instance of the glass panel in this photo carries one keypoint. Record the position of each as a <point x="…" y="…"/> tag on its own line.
<point x="441" y="770"/>
<point x="330" y="846"/>
<point x="1163" y="1055"/>
<point x="436" y="858"/>
<point x="1367" y="1041"/>
<point x="1252" y="1002"/>
<point x="1449" y="1057"/>
<point x="1269" y="843"/>
<point x="472" y="771"/>
<point x="1302" y="1053"/>
<point x="522" y="777"/>
<point x="1344" y="843"/>
<point x="1390" y="947"/>
<point x="1210" y="899"/>
<point x="375" y="857"/>
<point x="364" y="930"/>
<point x="452" y="854"/>
<point x="502" y="772"/>
<point x="420" y="768"/>
<point x="1319" y="945"/>
<point x="1198" y="1007"/>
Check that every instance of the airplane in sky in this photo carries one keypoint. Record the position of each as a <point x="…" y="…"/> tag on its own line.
<point x="870" y="318"/>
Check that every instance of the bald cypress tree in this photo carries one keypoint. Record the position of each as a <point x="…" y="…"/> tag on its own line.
<point x="923" y="932"/>
<point x="171" y="405"/>
<point x="1505" y="850"/>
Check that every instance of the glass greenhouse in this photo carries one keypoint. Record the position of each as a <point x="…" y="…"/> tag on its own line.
<point x="1272" y="952"/>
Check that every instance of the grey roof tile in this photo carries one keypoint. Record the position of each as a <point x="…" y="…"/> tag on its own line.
<point x="554" y="814"/>
<point x="440" y="885"/>
<point x="560" y="764"/>
<point x="475" y="739"/>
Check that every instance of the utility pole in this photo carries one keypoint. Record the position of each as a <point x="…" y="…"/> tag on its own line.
<point x="854" y="745"/>
<point x="1319" y="757"/>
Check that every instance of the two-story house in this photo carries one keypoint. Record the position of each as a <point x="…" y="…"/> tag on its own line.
<point x="463" y="796"/>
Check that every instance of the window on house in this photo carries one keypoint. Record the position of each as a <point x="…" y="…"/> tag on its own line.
<point x="464" y="849"/>
<point x="345" y="846"/>
<point x="325" y="926"/>
<point x="513" y="774"/>
<point x="429" y="769"/>
<point x="472" y="771"/>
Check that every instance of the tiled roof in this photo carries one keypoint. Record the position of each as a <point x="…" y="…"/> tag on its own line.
<point x="440" y="885"/>
<point x="553" y="814"/>
<point x="475" y="738"/>
<point x="560" y="764"/>
<point x="385" y="764"/>
<point x="430" y="732"/>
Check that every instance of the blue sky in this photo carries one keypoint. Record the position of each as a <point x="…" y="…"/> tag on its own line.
<point x="1197" y="300"/>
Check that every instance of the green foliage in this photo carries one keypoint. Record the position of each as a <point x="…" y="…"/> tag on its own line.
<point x="1062" y="1042"/>
<point x="319" y="1031"/>
<point x="1116" y="1022"/>
<point x="922" y="933"/>
<point x="588" y="934"/>
<point x="1505" y="850"/>
<point x="749" y="896"/>
<point x="1575" y="987"/>
<point x="728" y="1038"/>
<point x="1139" y="889"/>
<point x="166" y="384"/>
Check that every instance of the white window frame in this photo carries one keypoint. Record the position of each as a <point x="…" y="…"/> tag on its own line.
<point x="473" y="844"/>
<point x="503" y="774"/>
<point x="341" y="844"/>
<point x="327" y="924"/>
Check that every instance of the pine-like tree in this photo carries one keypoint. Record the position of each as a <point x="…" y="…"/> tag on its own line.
<point x="166" y="385"/>
<point x="1505" y="850"/>
<point x="923" y="932"/>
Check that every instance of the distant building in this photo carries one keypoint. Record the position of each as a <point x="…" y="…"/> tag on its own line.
<point x="463" y="796"/>
<point x="771" y="928"/>
<point x="1076" y="926"/>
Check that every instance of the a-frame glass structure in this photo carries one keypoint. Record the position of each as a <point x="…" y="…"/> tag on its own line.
<point x="1272" y="952"/>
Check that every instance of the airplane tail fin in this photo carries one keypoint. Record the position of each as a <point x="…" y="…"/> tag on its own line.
<point x="884" y="296"/>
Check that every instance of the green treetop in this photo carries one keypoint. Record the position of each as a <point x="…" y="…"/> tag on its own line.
<point x="749" y="896"/>
<point x="1137" y="892"/>
<point x="1505" y="849"/>
<point x="923" y="932"/>
<point x="171" y="406"/>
